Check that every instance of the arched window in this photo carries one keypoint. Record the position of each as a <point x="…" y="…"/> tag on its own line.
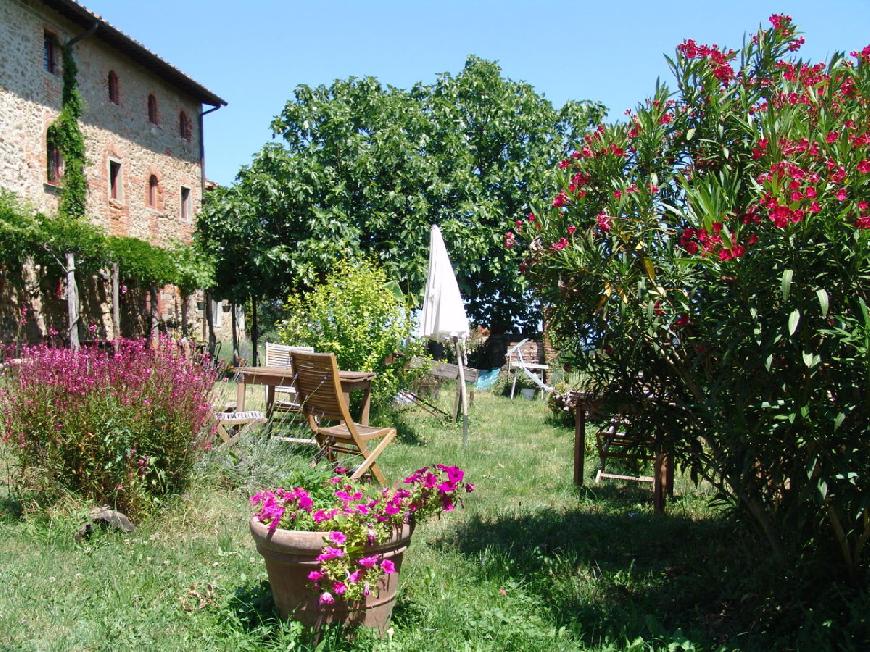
<point x="152" y="109"/>
<point x="153" y="186"/>
<point x="185" y="128"/>
<point x="54" y="163"/>
<point x="114" y="97"/>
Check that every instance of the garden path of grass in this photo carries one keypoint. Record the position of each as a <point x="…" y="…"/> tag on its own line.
<point x="531" y="563"/>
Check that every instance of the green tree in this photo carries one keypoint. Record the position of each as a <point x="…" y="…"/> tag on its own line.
<point x="361" y="316"/>
<point x="367" y="168"/>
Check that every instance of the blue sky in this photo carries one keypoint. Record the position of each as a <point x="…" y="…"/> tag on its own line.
<point x="254" y="53"/>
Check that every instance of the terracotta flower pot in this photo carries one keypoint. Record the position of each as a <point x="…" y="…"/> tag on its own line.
<point x="291" y="555"/>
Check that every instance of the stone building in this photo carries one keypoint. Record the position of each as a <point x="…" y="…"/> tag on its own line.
<point x="142" y="124"/>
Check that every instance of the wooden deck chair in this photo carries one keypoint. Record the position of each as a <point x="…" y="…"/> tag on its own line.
<point x="231" y="425"/>
<point x="319" y="389"/>
<point x="278" y="355"/>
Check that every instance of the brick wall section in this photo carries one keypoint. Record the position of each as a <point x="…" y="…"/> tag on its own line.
<point x="551" y="355"/>
<point x="30" y="100"/>
<point x="532" y="350"/>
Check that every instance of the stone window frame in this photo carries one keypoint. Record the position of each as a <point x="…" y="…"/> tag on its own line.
<point x="185" y="126"/>
<point x="153" y="110"/>
<point x="152" y="196"/>
<point x="113" y="88"/>
<point x="116" y="180"/>
<point x="50" y="52"/>
<point x="53" y="163"/>
<point x="185" y="201"/>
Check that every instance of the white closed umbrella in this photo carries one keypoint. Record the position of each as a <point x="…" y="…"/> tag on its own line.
<point x="443" y="316"/>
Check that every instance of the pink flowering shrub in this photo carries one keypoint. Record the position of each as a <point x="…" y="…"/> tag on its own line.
<point x="354" y="517"/>
<point x="116" y="428"/>
<point x="706" y="264"/>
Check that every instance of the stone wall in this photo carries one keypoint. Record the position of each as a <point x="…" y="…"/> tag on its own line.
<point x="30" y="98"/>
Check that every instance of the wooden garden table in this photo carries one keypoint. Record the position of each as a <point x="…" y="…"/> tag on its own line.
<point x="273" y="377"/>
<point x="663" y="473"/>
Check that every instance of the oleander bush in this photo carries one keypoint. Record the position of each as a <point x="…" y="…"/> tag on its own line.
<point x="121" y="429"/>
<point x="715" y="248"/>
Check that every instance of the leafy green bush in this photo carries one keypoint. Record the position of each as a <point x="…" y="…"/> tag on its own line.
<point x="117" y="428"/>
<point x="717" y="247"/>
<point x="363" y="319"/>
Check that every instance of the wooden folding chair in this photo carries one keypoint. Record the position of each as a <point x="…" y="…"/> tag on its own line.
<point x="231" y="425"/>
<point x="322" y="399"/>
<point x="278" y="355"/>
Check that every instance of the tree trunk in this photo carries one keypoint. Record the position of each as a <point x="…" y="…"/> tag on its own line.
<point x="209" y="320"/>
<point x="116" y="310"/>
<point x="72" y="302"/>
<point x="155" y="316"/>
<point x="235" y="323"/>
<point x="255" y="331"/>
<point x="185" y="304"/>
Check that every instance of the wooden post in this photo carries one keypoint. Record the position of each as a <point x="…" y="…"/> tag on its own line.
<point x="235" y="328"/>
<point x="255" y="333"/>
<point x="72" y="301"/>
<point x="579" y="441"/>
<point x="116" y="310"/>
<point x="661" y="475"/>
<point x="462" y="389"/>
<point x="154" y="336"/>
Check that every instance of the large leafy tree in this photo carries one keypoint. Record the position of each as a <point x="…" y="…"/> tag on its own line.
<point x="365" y="168"/>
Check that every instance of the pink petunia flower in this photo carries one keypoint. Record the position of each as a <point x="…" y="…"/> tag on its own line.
<point x="326" y="598"/>
<point x="337" y="537"/>
<point x="368" y="562"/>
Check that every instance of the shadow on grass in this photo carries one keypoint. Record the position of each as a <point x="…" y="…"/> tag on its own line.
<point x="407" y="428"/>
<point x="254" y="609"/>
<point x="11" y="509"/>
<point x="615" y="570"/>
<point x="614" y="575"/>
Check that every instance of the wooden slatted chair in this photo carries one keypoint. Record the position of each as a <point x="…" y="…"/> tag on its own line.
<point x="322" y="399"/>
<point x="231" y="425"/>
<point x="278" y="355"/>
<point x="614" y="443"/>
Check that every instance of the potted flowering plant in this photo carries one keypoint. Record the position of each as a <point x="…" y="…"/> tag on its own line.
<point x="335" y="555"/>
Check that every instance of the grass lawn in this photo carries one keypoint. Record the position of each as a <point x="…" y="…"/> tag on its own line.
<point x="531" y="563"/>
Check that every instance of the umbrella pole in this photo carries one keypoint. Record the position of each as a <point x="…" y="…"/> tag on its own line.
<point x="462" y="390"/>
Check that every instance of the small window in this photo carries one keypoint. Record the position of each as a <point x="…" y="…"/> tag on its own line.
<point x="115" y="180"/>
<point x="153" y="187"/>
<point x="49" y="52"/>
<point x="55" y="164"/>
<point x="114" y="97"/>
<point x="152" y="109"/>
<point x="185" y="128"/>
<point x="185" y="204"/>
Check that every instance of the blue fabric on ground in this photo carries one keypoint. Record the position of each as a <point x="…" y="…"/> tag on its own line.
<point x="486" y="379"/>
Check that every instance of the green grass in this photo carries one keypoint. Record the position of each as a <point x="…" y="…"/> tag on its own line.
<point x="531" y="563"/>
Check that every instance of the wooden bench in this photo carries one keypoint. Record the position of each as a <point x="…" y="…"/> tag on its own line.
<point x="231" y="425"/>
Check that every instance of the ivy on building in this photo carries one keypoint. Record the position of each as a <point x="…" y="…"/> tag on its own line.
<point x="65" y="134"/>
<point x="28" y="234"/>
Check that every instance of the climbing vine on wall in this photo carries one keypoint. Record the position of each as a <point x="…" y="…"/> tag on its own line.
<point x="65" y="134"/>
